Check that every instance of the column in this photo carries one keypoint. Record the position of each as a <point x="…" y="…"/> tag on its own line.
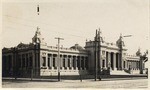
<point x="114" y="62"/>
<point x="21" y="61"/>
<point x="135" y="65"/>
<point x="69" y="62"/>
<point x="61" y="61"/>
<point x="72" y="62"/>
<point x="118" y="61"/>
<point x="105" y="63"/>
<point x="80" y="67"/>
<point x="25" y="60"/>
<point x="84" y="60"/>
<point x="86" y="63"/>
<point x="79" y="62"/>
<point x="132" y="64"/>
<point x="48" y="60"/>
<point x="66" y="62"/>
<point x="41" y="60"/>
<point x="51" y="62"/>
<point x="126" y="65"/>
<point x="12" y="61"/>
<point x="121" y="62"/>
<point x="33" y="60"/>
<point x="56" y="61"/>
<point x="36" y="62"/>
<point x="109" y="60"/>
<point x="139" y="65"/>
<point x="76" y="63"/>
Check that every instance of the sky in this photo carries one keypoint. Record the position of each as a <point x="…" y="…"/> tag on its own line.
<point x="77" y="21"/>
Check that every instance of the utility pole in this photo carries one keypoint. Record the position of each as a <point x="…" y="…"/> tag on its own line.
<point x="96" y="56"/>
<point x="121" y="50"/>
<point x="99" y="52"/>
<point x="58" y="61"/>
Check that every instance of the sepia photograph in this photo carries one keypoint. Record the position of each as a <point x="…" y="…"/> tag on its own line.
<point x="74" y="44"/>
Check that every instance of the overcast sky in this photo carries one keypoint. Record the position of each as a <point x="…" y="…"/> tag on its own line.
<point x="77" y="21"/>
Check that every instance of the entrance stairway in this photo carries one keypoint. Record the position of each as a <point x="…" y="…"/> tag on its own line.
<point x="118" y="72"/>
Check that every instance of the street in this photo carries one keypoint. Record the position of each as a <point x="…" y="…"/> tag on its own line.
<point x="89" y="83"/>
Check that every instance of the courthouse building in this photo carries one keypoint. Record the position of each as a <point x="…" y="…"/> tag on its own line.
<point x="97" y="56"/>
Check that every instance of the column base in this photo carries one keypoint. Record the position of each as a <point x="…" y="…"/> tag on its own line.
<point x="76" y="68"/>
<point x="115" y="69"/>
<point x="72" y="68"/>
<point x="80" y="68"/>
<point x="62" y="68"/>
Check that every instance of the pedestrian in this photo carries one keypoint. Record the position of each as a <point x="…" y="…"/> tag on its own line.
<point x="80" y="78"/>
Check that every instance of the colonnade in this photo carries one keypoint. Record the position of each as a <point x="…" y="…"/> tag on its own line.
<point x="66" y="62"/>
<point x="134" y="65"/>
<point x="21" y="61"/>
<point x="113" y="61"/>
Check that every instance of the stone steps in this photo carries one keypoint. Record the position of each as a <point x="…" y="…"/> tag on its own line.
<point x="118" y="72"/>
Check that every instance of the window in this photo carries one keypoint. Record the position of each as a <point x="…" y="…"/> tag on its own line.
<point x="53" y="62"/>
<point x="44" y="61"/>
<point x="48" y="61"/>
<point x="23" y="60"/>
<point x="82" y="63"/>
<point x="27" y="60"/>
<point x="30" y="61"/>
<point x="63" y="62"/>
<point x="103" y="63"/>
<point x="86" y="63"/>
<point x="124" y="64"/>
<point x="69" y="62"/>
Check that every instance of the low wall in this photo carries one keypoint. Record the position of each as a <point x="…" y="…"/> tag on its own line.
<point x="62" y="72"/>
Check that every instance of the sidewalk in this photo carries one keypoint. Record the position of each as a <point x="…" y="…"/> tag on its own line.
<point x="88" y="83"/>
<point x="66" y="80"/>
